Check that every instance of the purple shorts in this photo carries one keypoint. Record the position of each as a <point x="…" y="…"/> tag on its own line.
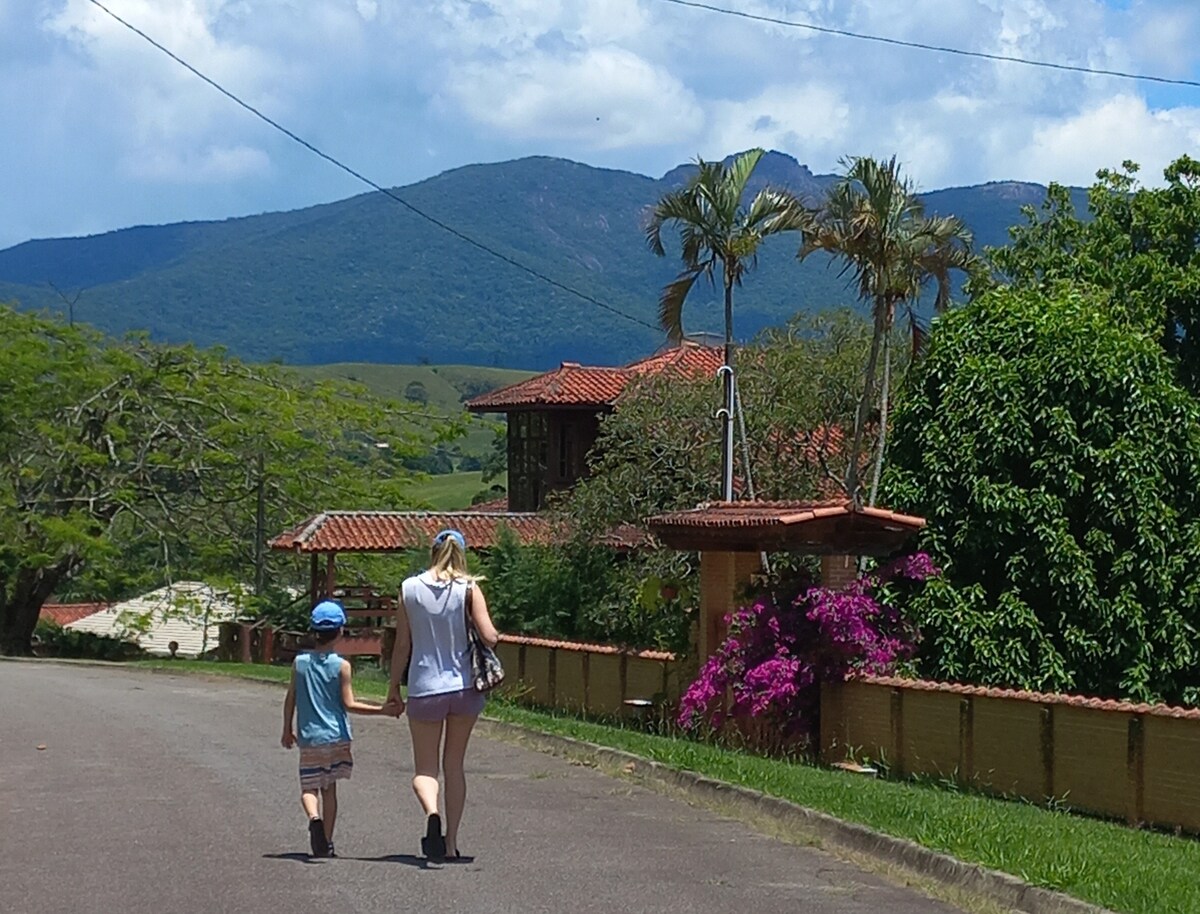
<point x="467" y="703"/>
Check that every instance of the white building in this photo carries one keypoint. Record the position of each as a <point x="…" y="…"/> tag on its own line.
<point x="187" y="612"/>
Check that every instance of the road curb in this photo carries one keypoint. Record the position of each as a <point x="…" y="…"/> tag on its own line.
<point x="999" y="887"/>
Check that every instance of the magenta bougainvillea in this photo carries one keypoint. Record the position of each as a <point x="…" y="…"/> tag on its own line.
<point x="777" y="652"/>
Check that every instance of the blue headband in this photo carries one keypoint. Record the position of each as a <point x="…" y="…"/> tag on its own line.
<point x="451" y="534"/>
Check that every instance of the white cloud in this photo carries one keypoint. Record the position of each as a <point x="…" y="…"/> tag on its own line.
<point x="202" y="166"/>
<point x="600" y="98"/>
<point x="1073" y="149"/>
<point x="1165" y="35"/>
<point x="113" y="132"/>
<point x="805" y="120"/>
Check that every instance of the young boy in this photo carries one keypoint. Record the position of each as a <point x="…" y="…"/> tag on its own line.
<point x="318" y="699"/>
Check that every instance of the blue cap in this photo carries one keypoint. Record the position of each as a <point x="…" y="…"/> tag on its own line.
<point x="451" y="534"/>
<point x="326" y="616"/>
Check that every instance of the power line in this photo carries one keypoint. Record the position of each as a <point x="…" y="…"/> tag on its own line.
<point x="982" y="55"/>
<point x="365" y="180"/>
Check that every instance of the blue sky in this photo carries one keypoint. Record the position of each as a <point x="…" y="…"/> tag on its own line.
<point x="104" y="132"/>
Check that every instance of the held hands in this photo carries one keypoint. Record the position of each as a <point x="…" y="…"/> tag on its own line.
<point x="288" y="740"/>
<point x="394" y="706"/>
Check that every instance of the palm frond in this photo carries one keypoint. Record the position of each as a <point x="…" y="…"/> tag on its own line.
<point x="773" y="212"/>
<point x="677" y="206"/>
<point x="670" y="302"/>
<point x="737" y="175"/>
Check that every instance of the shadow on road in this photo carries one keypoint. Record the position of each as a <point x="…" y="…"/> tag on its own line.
<point x="295" y="855"/>
<point x="406" y="859"/>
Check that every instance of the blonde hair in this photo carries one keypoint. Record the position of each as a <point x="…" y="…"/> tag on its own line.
<point x="448" y="562"/>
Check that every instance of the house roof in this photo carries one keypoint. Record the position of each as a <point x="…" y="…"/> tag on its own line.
<point x="573" y="385"/>
<point x="398" y="531"/>
<point x="65" y="613"/>
<point x="187" y="612"/>
<point x="815" y="528"/>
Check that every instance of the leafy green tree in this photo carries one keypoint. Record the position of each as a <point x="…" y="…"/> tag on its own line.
<point x="717" y="230"/>
<point x="799" y="388"/>
<point x="495" y="461"/>
<point x="1057" y="460"/>
<point x="873" y="221"/>
<point x="655" y="453"/>
<point x="123" y="464"/>
<point x="1139" y="249"/>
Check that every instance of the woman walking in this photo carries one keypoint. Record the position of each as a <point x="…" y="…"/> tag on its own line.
<point x="431" y="639"/>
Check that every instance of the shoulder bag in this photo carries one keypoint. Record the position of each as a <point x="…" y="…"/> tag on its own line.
<point x="486" y="671"/>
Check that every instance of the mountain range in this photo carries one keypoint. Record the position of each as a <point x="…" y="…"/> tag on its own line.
<point x="367" y="280"/>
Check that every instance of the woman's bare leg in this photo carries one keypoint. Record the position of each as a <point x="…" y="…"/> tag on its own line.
<point x="426" y="743"/>
<point x="458" y="733"/>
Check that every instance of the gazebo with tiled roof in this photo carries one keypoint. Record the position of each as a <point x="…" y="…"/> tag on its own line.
<point x="731" y="536"/>
<point x="330" y="533"/>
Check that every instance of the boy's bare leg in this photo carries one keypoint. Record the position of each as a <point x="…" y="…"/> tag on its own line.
<point x="426" y="741"/>
<point x="311" y="802"/>
<point x="329" y="809"/>
<point x="458" y="732"/>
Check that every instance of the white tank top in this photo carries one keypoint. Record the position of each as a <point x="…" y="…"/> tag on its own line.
<point x="437" y="620"/>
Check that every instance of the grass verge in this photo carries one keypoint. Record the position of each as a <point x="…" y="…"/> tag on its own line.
<point x="451" y="491"/>
<point x="1138" y="872"/>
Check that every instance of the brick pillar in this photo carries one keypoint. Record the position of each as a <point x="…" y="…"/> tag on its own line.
<point x="722" y="576"/>
<point x="838" y="571"/>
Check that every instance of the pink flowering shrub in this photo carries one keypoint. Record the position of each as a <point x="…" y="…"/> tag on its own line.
<point x="777" y="652"/>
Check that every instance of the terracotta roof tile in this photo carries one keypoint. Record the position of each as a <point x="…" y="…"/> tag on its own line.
<point x="575" y="385"/>
<point x="66" y="613"/>
<point x="586" y="648"/>
<point x="396" y="531"/>
<point x="811" y="527"/>
<point x="1074" y="701"/>
<point x="773" y="514"/>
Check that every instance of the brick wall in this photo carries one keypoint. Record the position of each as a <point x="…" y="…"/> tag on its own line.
<point x="838" y="571"/>
<point x="1114" y="759"/>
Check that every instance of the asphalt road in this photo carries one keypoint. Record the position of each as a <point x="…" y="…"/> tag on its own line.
<point x="160" y="794"/>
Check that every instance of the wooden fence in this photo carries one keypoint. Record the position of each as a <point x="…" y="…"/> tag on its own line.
<point x="592" y="678"/>
<point x="1114" y="759"/>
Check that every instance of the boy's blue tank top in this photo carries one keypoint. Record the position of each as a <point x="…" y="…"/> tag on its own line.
<point x="320" y="714"/>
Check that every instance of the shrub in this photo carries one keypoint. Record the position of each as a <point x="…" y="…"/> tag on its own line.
<point x="1057" y="461"/>
<point x="779" y="651"/>
<point x="54" y="640"/>
<point x="581" y="591"/>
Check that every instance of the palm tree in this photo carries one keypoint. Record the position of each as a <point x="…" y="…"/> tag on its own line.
<point x="716" y="229"/>
<point x="875" y="224"/>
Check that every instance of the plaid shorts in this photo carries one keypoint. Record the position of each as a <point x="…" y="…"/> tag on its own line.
<point x="321" y="765"/>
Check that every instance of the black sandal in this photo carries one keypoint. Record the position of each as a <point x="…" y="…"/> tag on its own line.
<point x="317" y="841"/>
<point x="433" y="845"/>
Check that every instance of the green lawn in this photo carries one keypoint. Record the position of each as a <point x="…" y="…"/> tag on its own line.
<point x="452" y="491"/>
<point x="446" y="386"/>
<point x="1105" y="863"/>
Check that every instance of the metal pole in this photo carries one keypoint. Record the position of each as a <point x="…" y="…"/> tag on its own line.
<point x="726" y="414"/>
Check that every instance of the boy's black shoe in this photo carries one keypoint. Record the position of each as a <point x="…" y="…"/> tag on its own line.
<point x="332" y="852"/>
<point x="433" y="845"/>
<point x="316" y="838"/>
